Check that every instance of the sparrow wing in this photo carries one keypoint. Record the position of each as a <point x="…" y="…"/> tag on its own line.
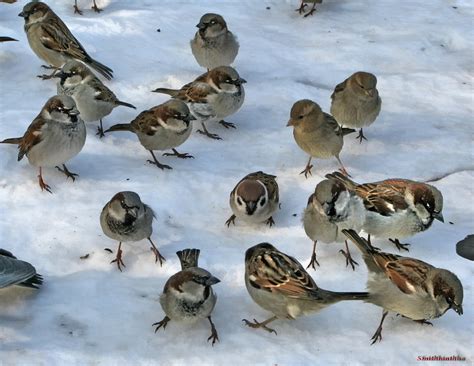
<point x="32" y="136"/>
<point x="408" y="274"/>
<point x="101" y="92"/>
<point x="339" y="89"/>
<point x="383" y="197"/>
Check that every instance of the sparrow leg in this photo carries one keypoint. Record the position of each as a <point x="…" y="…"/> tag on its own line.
<point x="361" y="136"/>
<point x="378" y="333"/>
<point x="270" y="221"/>
<point x="302" y="7"/>
<point x="349" y="259"/>
<point x="179" y="155"/>
<point x="157" y="163"/>
<point x="42" y="184"/>
<point x="342" y="170"/>
<point x="307" y="169"/>
<point x="399" y="245"/>
<point x="313" y="262"/>
<point x="213" y="335"/>
<point x="370" y="244"/>
<point x="118" y="258"/>
<point x="67" y="173"/>
<point x="50" y="76"/>
<point x="161" y="323"/>
<point x="313" y="9"/>
<point x="231" y="220"/>
<point x="100" y="130"/>
<point x="227" y="124"/>
<point x="423" y="322"/>
<point x="76" y="8"/>
<point x="263" y="325"/>
<point x="205" y="132"/>
<point x="95" y="8"/>
<point x="158" y="256"/>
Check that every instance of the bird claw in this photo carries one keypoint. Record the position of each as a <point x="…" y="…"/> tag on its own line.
<point x="399" y="245"/>
<point x="349" y="260"/>
<point x="118" y="260"/>
<point x="179" y="155"/>
<point x="161" y="323"/>
<point x="270" y="222"/>
<point x="256" y="325"/>
<point x="227" y="124"/>
<point x="76" y="10"/>
<point x="67" y="173"/>
<point x="213" y="136"/>
<point x="158" y="256"/>
<point x="361" y="136"/>
<point x="231" y="220"/>
<point x="313" y="262"/>
<point x="307" y="170"/>
<point x="161" y="166"/>
<point x="100" y="132"/>
<point x="43" y="185"/>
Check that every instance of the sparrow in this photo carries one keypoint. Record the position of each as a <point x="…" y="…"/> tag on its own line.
<point x="356" y="102"/>
<point x="188" y="296"/>
<point x="126" y="218"/>
<point x="407" y="286"/>
<point x="280" y="285"/>
<point x="465" y="247"/>
<point x="16" y="272"/>
<point x="93" y="99"/>
<point x="254" y="199"/>
<point x="7" y="39"/>
<point x="93" y="7"/>
<point x="304" y="4"/>
<point x="330" y="209"/>
<point x="396" y="208"/>
<point x="53" y="42"/>
<point x="214" y="96"/>
<point x="161" y="128"/>
<point x="316" y="133"/>
<point x="56" y="135"/>
<point x="214" y="45"/>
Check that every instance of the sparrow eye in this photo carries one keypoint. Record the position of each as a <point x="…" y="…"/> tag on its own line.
<point x="300" y="117"/>
<point x="262" y="201"/>
<point x="239" y="201"/>
<point x="213" y="22"/>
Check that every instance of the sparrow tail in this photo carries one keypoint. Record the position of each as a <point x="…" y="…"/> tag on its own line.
<point x="8" y="39"/>
<point x="120" y="127"/>
<point x="361" y="243"/>
<point x="351" y="295"/>
<point x="339" y="177"/>
<point x="171" y="92"/>
<point x="13" y="140"/>
<point x="106" y="71"/>
<point x="119" y="102"/>
<point x="347" y="131"/>
<point x="188" y="258"/>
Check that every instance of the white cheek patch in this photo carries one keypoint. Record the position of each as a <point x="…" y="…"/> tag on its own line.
<point x="252" y="278"/>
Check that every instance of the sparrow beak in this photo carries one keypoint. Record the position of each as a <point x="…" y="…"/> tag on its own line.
<point x="191" y="118"/>
<point x="201" y="26"/>
<point x="212" y="281"/>
<point x="22" y="14"/>
<point x="290" y="123"/>
<point x="242" y="81"/>
<point x="457" y="308"/>
<point x="370" y="92"/>
<point x="251" y="206"/>
<point x="438" y="216"/>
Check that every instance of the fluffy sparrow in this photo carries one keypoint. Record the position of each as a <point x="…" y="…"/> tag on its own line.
<point x="407" y="286"/>
<point x="316" y="133"/>
<point x="93" y="7"/>
<point x="214" y="45"/>
<point x="356" y="102"/>
<point x="17" y="272"/>
<point x="53" y="42"/>
<point x="7" y="39"/>
<point x="330" y="209"/>
<point x="280" y="285"/>
<point x="126" y="218"/>
<point x="93" y="99"/>
<point x="188" y="296"/>
<point x="396" y="208"/>
<point x="214" y="96"/>
<point x="161" y="128"/>
<point x="254" y="199"/>
<point x="304" y="4"/>
<point x="56" y="135"/>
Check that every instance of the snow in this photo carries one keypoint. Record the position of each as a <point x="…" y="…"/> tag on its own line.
<point x="88" y="312"/>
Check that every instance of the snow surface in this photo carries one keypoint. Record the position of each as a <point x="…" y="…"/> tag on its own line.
<point x="89" y="313"/>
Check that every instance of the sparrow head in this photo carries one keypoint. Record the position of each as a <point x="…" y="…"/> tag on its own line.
<point x="304" y="111"/>
<point x="364" y="84"/>
<point x="427" y="202"/>
<point x="258" y="250"/>
<point x="125" y="206"/>
<point x="73" y="73"/>
<point x="226" y="79"/>
<point x="330" y="198"/>
<point x="251" y="196"/>
<point x="34" y="11"/>
<point x="191" y="284"/>
<point x="447" y="290"/>
<point x="175" y="115"/>
<point x="211" y="25"/>
<point x="60" y="108"/>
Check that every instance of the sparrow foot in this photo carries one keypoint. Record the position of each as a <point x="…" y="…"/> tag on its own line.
<point x="43" y="185"/>
<point x="270" y="222"/>
<point x="231" y="220"/>
<point x="118" y="258"/>
<point x="205" y="132"/>
<point x="214" y="336"/>
<point x="157" y="163"/>
<point x="227" y="124"/>
<point x="311" y="12"/>
<point x="262" y="325"/>
<point x="349" y="260"/>
<point x="423" y="322"/>
<point x="302" y="7"/>
<point x="377" y="337"/>
<point x="399" y="245"/>
<point x="158" y="256"/>
<point x="96" y="8"/>
<point x="307" y="170"/>
<point x="100" y="132"/>
<point x="313" y="262"/>
<point x="179" y="155"/>
<point x="67" y="173"/>
<point x="76" y="10"/>
<point x="361" y="136"/>
<point x="161" y="323"/>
